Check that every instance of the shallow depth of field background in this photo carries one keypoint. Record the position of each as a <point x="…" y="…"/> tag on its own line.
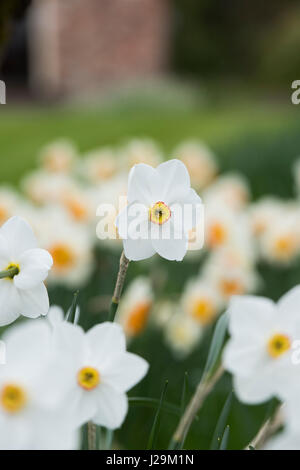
<point x="227" y="83"/>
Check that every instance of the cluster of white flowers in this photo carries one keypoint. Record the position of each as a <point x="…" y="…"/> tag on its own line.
<point x="263" y="355"/>
<point x="55" y="377"/>
<point x="61" y="197"/>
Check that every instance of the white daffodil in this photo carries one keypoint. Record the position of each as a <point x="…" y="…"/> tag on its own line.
<point x="162" y="209"/>
<point x="58" y="156"/>
<point x="182" y="333"/>
<point x="23" y="268"/>
<point x="99" y="165"/>
<point x="29" y="417"/>
<point x="140" y="151"/>
<point x="135" y="306"/>
<point x="96" y="372"/>
<point x="259" y="353"/>
<point x="199" y="160"/>
<point x="264" y="214"/>
<point x="230" y="190"/>
<point x="70" y="245"/>
<point x="201" y="302"/>
<point x="9" y="203"/>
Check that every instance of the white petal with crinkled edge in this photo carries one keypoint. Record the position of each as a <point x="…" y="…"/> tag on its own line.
<point x="175" y="181"/>
<point x="255" y="389"/>
<point x="34" y="302"/>
<point x="112" y="407"/>
<point x="34" y="267"/>
<point x="10" y="308"/>
<point x="133" y="222"/>
<point x="19" y="236"/>
<point x="137" y="250"/>
<point x="125" y="371"/>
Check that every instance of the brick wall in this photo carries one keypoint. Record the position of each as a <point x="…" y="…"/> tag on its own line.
<point x="103" y="41"/>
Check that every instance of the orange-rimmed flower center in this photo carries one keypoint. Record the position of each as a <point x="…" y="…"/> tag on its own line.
<point x="88" y="378"/>
<point x="217" y="234"/>
<point x="203" y="310"/>
<point x="278" y="345"/>
<point x="137" y="318"/>
<point x="13" y="398"/>
<point x="159" y="213"/>
<point x="63" y="256"/>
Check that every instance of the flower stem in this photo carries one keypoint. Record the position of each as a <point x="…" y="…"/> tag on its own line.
<point x="10" y="273"/>
<point x="124" y="262"/>
<point x="92" y="436"/>
<point x="267" y="430"/>
<point x="204" y="388"/>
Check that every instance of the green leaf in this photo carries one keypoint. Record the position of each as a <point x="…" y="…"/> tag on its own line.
<point x="216" y="345"/>
<point x="73" y="312"/>
<point x="225" y="438"/>
<point x="154" y="403"/>
<point x="221" y="423"/>
<point x="155" y="427"/>
<point x="184" y="393"/>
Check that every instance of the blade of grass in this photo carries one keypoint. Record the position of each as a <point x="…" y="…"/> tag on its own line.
<point x="154" y="403"/>
<point x="225" y="438"/>
<point x="216" y="345"/>
<point x="155" y="427"/>
<point x="71" y="315"/>
<point x="221" y="423"/>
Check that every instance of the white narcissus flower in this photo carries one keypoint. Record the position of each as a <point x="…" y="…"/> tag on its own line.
<point x="58" y="156"/>
<point x="23" y="292"/>
<point x="201" y="302"/>
<point x="182" y="333"/>
<point x="135" y="306"/>
<point x="96" y="372"/>
<point x="199" y="160"/>
<point x="259" y="352"/>
<point x="162" y="209"/>
<point x="29" y="417"/>
<point x="9" y="203"/>
<point x="141" y="151"/>
<point x="231" y="190"/>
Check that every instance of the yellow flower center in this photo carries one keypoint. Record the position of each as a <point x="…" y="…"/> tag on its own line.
<point x="3" y="215"/>
<point x="88" y="378"/>
<point x="63" y="256"/>
<point x="137" y="318"/>
<point x="13" y="398"/>
<point x="159" y="213"/>
<point x="285" y="246"/>
<point x="217" y="235"/>
<point x="77" y="210"/>
<point x="278" y="345"/>
<point x="231" y="287"/>
<point x="13" y="266"/>
<point x="203" y="311"/>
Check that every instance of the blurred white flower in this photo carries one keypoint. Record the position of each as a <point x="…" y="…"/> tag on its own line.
<point x="141" y="151"/>
<point x="9" y="203"/>
<point x="231" y="190"/>
<point x="264" y="213"/>
<point x="29" y="418"/>
<point x="182" y="333"/>
<point x="96" y="372"/>
<point x="201" y="301"/>
<point x="58" y="156"/>
<point x="220" y="225"/>
<point x="70" y="245"/>
<point x="135" y="306"/>
<point x="23" y="291"/>
<point x="99" y="165"/>
<point x="199" y="160"/>
<point x="259" y="352"/>
<point x="280" y="243"/>
<point x="156" y="219"/>
<point x="44" y="188"/>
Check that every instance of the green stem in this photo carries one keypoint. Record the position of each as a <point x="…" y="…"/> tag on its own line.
<point x="124" y="263"/>
<point x="9" y="273"/>
<point x="92" y="436"/>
